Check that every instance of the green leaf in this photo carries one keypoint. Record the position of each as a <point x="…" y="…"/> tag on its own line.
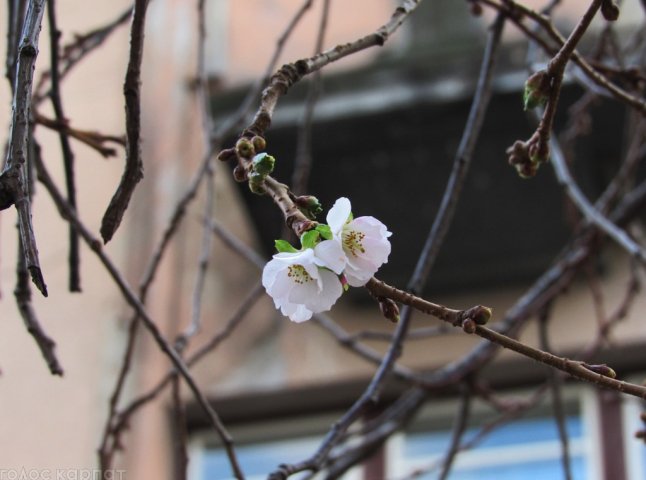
<point x="310" y="238"/>
<point x="284" y="246"/>
<point x="324" y="230"/>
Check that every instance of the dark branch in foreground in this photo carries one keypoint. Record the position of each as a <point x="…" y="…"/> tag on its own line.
<point x="14" y="179"/>
<point x="133" y="171"/>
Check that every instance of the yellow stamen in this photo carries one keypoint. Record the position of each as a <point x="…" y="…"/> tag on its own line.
<point x="352" y="242"/>
<point x="298" y="274"/>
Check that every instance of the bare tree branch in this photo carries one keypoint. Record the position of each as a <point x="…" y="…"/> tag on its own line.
<point x="133" y="171"/>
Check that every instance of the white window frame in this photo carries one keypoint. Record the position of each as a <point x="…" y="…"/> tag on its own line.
<point x="635" y="457"/>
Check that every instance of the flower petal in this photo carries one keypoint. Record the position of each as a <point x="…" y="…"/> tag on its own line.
<point x="329" y="254"/>
<point x="366" y="245"/>
<point x="296" y="313"/>
<point x="338" y="215"/>
<point x="329" y="294"/>
<point x="304" y="292"/>
<point x="356" y="281"/>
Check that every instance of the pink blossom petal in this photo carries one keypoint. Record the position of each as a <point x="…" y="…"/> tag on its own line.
<point x="329" y="294"/>
<point x="330" y="254"/>
<point x="296" y="313"/>
<point x="338" y="215"/>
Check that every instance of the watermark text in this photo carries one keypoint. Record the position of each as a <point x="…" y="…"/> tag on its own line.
<point x="61" y="474"/>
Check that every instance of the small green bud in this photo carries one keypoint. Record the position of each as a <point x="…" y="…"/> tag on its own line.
<point x="256" y="182"/>
<point x="263" y="164"/>
<point x="244" y="148"/>
<point x="259" y="143"/>
<point x="537" y="90"/>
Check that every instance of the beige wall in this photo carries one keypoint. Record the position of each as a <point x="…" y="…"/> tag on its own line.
<point x="52" y="423"/>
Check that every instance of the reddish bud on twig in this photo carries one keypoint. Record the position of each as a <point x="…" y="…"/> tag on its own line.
<point x="469" y="325"/>
<point x="389" y="309"/>
<point x="601" y="369"/>
<point x="309" y="205"/>
<point x="259" y="143"/>
<point x="239" y="174"/>
<point x="227" y="154"/>
<point x="302" y="226"/>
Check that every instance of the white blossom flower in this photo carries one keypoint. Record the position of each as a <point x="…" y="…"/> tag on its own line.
<point x="364" y="241"/>
<point x="299" y="286"/>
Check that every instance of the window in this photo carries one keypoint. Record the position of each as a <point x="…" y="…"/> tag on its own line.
<point x="261" y="447"/>
<point x="258" y="459"/>
<point x="526" y="447"/>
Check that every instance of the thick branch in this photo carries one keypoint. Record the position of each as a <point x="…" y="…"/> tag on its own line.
<point x="14" y="178"/>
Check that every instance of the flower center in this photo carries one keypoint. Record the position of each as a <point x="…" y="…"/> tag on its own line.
<point x="352" y="242"/>
<point x="298" y="274"/>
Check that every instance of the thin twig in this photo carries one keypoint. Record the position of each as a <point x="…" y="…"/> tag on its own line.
<point x="462" y="158"/>
<point x="373" y="390"/>
<point x="180" y="434"/>
<point x="123" y="416"/>
<point x="252" y="95"/>
<point x="461" y="420"/>
<point x="77" y="50"/>
<point x="290" y="74"/>
<point x="22" y="293"/>
<point x="92" y="139"/>
<point x="132" y="299"/>
<point x="74" y="258"/>
<point x="133" y="171"/>
<point x="303" y="160"/>
<point x="516" y="12"/>
<point x="591" y="214"/>
<point x="172" y="227"/>
<point x="543" y="291"/>
<point x="15" y="19"/>
<point x="207" y="237"/>
<point x="555" y="382"/>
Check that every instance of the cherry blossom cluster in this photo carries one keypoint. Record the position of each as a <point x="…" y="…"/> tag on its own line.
<point x="345" y="251"/>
